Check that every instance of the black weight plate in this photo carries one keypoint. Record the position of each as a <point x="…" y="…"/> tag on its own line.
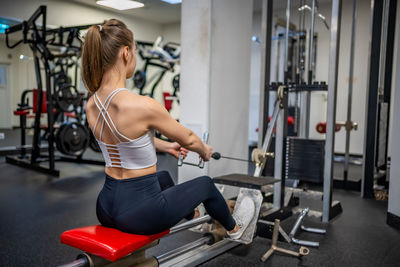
<point x="139" y="79"/>
<point x="72" y="139"/>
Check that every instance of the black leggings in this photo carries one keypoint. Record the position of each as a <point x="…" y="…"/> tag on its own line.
<point x="151" y="204"/>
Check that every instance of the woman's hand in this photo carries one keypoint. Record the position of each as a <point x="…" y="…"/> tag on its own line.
<point x="175" y="148"/>
<point x="207" y="152"/>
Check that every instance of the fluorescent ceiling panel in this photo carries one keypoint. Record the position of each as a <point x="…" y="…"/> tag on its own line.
<point x="173" y="2"/>
<point x="120" y="4"/>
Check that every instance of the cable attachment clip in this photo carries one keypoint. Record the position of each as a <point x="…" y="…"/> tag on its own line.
<point x="259" y="156"/>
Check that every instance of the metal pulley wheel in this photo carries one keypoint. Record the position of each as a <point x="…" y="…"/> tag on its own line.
<point x="72" y="138"/>
<point x="67" y="97"/>
<point x="175" y="82"/>
<point x="139" y="79"/>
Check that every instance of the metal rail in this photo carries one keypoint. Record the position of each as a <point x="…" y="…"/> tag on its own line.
<point x="189" y="224"/>
<point x="183" y="249"/>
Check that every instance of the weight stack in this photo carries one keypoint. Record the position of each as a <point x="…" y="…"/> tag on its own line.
<point x="305" y="159"/>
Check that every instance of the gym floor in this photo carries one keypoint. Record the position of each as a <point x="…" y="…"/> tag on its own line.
<point x="35" y="209"/>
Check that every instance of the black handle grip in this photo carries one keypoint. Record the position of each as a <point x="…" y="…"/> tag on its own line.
<point x="216" y="155"/>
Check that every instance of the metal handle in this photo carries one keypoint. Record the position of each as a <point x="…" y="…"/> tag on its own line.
<point x="180" y="159"/>
<point x="205" y="140"/>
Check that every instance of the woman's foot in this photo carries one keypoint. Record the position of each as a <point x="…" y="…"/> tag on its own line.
<point x="196" y="213"/>
<point x="243" y="214"/>
<point x="237" y="228"/>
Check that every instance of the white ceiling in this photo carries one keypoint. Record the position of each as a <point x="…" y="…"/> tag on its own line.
<point x="161" y="12"/>
<point x="153" y="10"/>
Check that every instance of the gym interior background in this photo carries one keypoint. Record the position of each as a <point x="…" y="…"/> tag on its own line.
<point x="220" y="67"/>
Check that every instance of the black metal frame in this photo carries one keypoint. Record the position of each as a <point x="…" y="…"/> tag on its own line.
<point x="373" y="99"/>
<point x="389" y="64"/>
<point x="37" y="38"/>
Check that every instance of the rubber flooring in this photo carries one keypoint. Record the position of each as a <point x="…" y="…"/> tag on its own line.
<point x="36" y="208"/>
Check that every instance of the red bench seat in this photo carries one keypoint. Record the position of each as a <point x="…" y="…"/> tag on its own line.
<point x="108" y="243"/>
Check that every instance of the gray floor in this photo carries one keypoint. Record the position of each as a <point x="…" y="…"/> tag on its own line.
<point x="37" y="208"/>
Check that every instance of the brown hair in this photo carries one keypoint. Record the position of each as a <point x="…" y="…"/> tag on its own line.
<point x="100" y="49"/>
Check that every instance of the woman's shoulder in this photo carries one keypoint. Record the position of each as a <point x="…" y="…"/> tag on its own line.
<point x="128" y="101"/>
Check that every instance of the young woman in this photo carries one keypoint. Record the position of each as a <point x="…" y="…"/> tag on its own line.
<point x="135" y="197"/>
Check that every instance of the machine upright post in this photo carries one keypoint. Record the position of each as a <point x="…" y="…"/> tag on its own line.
<point x="371" y="114"/>
<point x="36" y="134"/>
<point x="266" y="32"/>
<point x="350" y="93"/>
<point x="331" y="117"/>
<point x="281" y="129"/>
<point x="286" y="58"/>
<point x="50" y="115"/>
<point x="391" y="29"/>
<point x="310" y="70"/>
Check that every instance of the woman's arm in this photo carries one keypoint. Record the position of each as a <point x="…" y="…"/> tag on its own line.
<point x="158" y="118"/>
<point x="171" y="148"/>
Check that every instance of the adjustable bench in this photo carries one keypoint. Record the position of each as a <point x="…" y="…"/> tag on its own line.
<point x="109" y="246"/>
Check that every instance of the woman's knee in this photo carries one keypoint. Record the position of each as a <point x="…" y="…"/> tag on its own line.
<point x="206" y="180"/>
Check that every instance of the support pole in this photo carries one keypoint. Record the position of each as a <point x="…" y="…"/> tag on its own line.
<point x="36" y="133"/>
<point x="310" y="70"/>
<point x="281" y="130"/>
<point x="286" y="75"/>
<point x="371" y="114"/>
<point x="350" y="93"/>
<point x="266" y="32"/>
<point x="389" y="62"/>
<point x="331" y="114"/>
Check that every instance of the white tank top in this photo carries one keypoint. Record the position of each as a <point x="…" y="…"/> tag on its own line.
<point x="136" y="153"/>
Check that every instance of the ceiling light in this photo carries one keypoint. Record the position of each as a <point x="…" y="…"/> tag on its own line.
<point x="120" y="4"/>
<point x="304" y="7"/>
<point x="172" y="2"/>
<point x="3" y="27"/>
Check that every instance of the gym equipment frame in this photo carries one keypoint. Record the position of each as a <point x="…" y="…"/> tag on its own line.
<point x="42" y="42"/>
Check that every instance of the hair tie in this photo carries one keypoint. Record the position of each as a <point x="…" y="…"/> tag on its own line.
<point x="100" y="27"/>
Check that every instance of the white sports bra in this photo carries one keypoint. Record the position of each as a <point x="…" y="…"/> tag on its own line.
<point x="136" y="153"/>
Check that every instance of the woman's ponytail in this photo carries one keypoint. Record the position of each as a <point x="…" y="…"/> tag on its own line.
<point x="100" y="50"/>
<point x="92" y="59"/>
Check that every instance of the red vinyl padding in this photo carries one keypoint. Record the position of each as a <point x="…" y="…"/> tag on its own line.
<point x="21" y="112"/>
<point x="108" y="243"/>
<point x="167" y="101"/>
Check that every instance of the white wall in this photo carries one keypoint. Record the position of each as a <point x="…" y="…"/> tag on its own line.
<point x="215" y="79"/>
<point x="171" y="33"/>
<point x="59" y="13"/>
<point x="230" y="76"/>
<point x="318" y="101"/>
